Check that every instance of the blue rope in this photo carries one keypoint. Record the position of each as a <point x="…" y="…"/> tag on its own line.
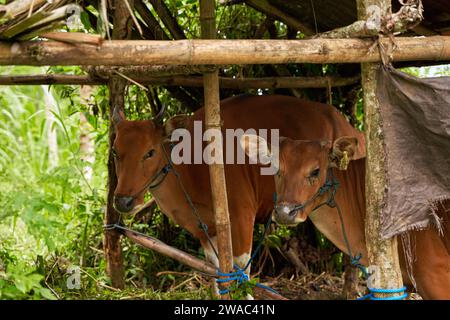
<point x="239" y="274"/>
<point x="240" y="277"/>
<point x="354" y="261"/>
<point x="371" y="295"/>
<point x="331" y="185"/>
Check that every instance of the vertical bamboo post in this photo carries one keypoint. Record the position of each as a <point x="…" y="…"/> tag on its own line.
<point x="383" y="254"/>
<point x="112" y="247"/>
<point x="216" y="171"/>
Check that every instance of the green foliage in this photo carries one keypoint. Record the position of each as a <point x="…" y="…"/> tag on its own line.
<point x="52" y="212"/>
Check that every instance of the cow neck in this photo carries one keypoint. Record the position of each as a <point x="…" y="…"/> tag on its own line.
<point x="350" y="198"/>
<point x="169" y="193"/>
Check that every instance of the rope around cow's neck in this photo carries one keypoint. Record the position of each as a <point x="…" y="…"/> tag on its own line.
<point x="239" y="274"/>
<point x="331" y="186"/>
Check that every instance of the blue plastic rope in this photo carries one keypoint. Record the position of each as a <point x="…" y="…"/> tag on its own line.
<point x="239" y="275"/>
<point x="371" y="295"/>
<point x="354" y="261"/>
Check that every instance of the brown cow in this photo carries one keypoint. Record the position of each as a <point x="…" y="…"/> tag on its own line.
<point x="140" y="148"/>
<point x="304" y="168"/>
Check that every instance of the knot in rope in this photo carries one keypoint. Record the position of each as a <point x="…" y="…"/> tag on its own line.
<point x="354" y="261"/>
<point x="238" y="275"/>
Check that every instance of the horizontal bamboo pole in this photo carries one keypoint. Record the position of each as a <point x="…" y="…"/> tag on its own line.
<point x="185" y="258"/>
<point x="187" y="81"/>
<point x="188" y="52"/>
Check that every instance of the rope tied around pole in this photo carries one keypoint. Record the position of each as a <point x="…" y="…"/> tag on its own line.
<point x="239" y="275"/>
<point x="373" y="291"/>
<point x="331" y="185"/>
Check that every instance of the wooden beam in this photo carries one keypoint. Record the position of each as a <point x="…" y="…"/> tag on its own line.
<point x="195" y="52"/>
<point x="185" y="258"/>
<point x="187" y="81"/>
<point x="383" y="254"/>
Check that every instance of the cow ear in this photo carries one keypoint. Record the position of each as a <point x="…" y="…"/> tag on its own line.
<point x="117" y="115"/>
<point x="176" y="122"/>
<point x="256" y="148"/>
<point x="344" y="149"/>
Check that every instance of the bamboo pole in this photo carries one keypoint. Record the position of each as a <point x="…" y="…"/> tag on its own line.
<point x="383" y="254"/>
<point x="195" y="52"/>
<point x="185" y="258"/>
<point x="187" y="81"/>
<point x="216" y="170"/>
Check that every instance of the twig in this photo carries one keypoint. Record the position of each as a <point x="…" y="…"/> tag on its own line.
<point x="131" y="80"/>
<point x="133" y="17"/>
<point x="104" y="16"/>
<point x="183" y="283"/>
<point x="161" y="273"/>
<point x="31" y="8"/>
<point x="98" y="282"/>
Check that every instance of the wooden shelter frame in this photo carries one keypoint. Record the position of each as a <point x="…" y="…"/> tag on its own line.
<point x="121" y="51"/>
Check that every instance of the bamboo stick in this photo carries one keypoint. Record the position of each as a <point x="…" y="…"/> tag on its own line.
<point x="185" y="258"/>
<point x="216" y="170"/>
<point x="74" y="37"/>
<point x="187" y="81"/>
<point x="195" y="52"/>
<point x="383" y="254"/>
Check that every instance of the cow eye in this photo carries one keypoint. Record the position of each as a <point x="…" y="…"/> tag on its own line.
<point x="149" y="154"/>
<point x="114" y="153"/>
<point x="315" y="173"/>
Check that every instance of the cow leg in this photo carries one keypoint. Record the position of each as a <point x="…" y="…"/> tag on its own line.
<point x="241" y="261"/>
<point x="431" y="267"/>
<point x="211" y="257"/>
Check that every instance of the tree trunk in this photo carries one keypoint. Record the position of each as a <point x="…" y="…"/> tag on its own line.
<point x="383" y="254"/>
<point x="113" y="250"/>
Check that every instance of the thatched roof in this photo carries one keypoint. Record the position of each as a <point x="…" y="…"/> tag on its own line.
<point x="332" y="14"/>
<point x="308" y="16"/>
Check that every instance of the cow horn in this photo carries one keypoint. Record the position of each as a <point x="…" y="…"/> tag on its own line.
<point x="117" y="115"/>
<point x="158" y="117"/>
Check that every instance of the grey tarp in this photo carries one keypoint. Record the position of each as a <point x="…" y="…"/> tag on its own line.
<point x="416" y="124"/>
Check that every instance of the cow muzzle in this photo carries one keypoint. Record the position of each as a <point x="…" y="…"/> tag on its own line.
<point x="288" y="214"/>
<point x="123" y="204"/>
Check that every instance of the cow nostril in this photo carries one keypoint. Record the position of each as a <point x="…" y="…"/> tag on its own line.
<point x="123" y="204"/>
<point x="128" y="202"/>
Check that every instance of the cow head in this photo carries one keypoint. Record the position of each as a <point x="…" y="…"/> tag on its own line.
<point x="139" y="157"/>
<point x="303" y="168"/>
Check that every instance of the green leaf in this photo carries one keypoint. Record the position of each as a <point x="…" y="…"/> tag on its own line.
<point x="47" y="294"/>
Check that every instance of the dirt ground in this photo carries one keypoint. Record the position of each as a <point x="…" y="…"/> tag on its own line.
<point x="310" y="287"/>
<point x="324" y="286"/>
